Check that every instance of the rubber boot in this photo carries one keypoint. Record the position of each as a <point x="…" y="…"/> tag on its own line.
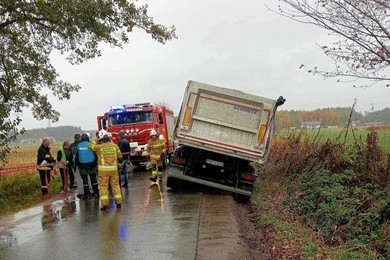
<point x="159" y="173"/>
<point x="153" y="178"/>
<point x="95" y="190"/>
<point x="44" y="192"/>
<point x="87" y="194"/>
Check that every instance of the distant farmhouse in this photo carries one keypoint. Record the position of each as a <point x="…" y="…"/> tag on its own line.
<point x="310" y="124"/>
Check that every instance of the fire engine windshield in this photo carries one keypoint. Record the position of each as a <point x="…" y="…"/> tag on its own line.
<point x="133" y="117"/>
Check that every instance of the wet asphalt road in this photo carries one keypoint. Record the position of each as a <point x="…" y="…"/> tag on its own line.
<point x="154" y="223"/>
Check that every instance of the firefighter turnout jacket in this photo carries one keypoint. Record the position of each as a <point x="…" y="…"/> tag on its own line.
<point x="44" y="158"/>
<point x="156" y="147"/>
<point x="108" y="156"/>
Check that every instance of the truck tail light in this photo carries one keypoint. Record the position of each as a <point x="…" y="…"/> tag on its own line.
<point x="248" y="176"/>
<point x="178" y="160"/>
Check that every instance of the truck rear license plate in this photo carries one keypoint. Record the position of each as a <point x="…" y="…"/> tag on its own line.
<point x="215" y="163"/>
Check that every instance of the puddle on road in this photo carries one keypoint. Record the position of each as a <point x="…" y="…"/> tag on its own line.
<point x="30" y="222"/>
<point x="57" y="212"/>
<point x="154" y="193"/>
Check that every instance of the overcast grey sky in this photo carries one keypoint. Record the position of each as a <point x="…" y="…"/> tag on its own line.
<point x="233" y="44"/>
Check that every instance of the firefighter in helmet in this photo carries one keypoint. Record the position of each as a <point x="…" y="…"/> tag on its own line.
<point x="109" y="160"/>
<point x="156" y="151"/>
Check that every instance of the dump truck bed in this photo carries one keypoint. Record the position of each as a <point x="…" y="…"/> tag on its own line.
<point x="225" y="121"/>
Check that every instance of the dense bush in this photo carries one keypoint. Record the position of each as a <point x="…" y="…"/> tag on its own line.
<point x="340" y="192"/>
<point x="344" y="209"/>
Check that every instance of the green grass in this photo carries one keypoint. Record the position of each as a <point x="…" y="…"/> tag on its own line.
<point x="334" y="134"/>
<point x="21" y="190"/>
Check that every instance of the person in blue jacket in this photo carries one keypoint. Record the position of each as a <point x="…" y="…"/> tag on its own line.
<point x="87" y="163"/>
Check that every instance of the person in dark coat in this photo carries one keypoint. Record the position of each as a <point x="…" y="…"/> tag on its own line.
<point x="45" y="163"/>
<point x="124" y="146"/>
<point x="74" y="168"/>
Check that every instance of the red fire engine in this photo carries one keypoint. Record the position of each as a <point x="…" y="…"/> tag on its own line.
<point x="137" y="120"/>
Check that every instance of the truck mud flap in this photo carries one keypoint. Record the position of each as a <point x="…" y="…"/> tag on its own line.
<point x="178" y="173"/>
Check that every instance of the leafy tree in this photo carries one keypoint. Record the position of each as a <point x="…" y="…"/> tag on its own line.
<point x="363" y="50"/>
<point x="31" y="30"/>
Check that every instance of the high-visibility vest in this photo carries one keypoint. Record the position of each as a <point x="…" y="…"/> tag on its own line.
<point x="63" y="158"/>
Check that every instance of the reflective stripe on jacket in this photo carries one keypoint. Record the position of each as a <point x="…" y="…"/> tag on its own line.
<point x="108" y="154"/>
<point x="156" y="147"/>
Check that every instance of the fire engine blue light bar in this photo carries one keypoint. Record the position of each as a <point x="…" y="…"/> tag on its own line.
<point x="117" y="107"/>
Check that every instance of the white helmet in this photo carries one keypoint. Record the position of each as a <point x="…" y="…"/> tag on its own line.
<point x="153" y="132"/>
<point x="103" y="134"/>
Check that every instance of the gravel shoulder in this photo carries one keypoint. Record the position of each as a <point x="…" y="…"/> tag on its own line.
<point x="225" y="230"/>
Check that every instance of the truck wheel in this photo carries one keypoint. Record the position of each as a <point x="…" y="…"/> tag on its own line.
<point x="165" y="162"/>
<point x="241" y="198"/>
<point x="174" y="183"/>
<point x="135" y="163"/>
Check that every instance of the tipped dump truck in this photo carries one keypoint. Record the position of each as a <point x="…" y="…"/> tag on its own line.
<point x="220" y="131"/>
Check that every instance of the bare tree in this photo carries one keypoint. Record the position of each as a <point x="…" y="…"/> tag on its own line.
<point x="363" y="51"/>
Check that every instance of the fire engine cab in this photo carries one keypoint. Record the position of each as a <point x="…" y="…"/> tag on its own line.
<point x="137" y="120"/>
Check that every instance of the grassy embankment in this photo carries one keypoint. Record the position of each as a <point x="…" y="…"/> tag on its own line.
<point x="319" y="198"/>
<point x="21" y="190"/>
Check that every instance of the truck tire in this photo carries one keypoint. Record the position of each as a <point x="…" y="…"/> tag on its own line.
<point x="174" y="183"/>
<point x="135" y="163"/>
<point x="241" y="198"/>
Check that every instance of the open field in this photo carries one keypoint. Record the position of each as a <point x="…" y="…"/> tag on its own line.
<point x="334" y="134"/>
<point x="26" y="155"/>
